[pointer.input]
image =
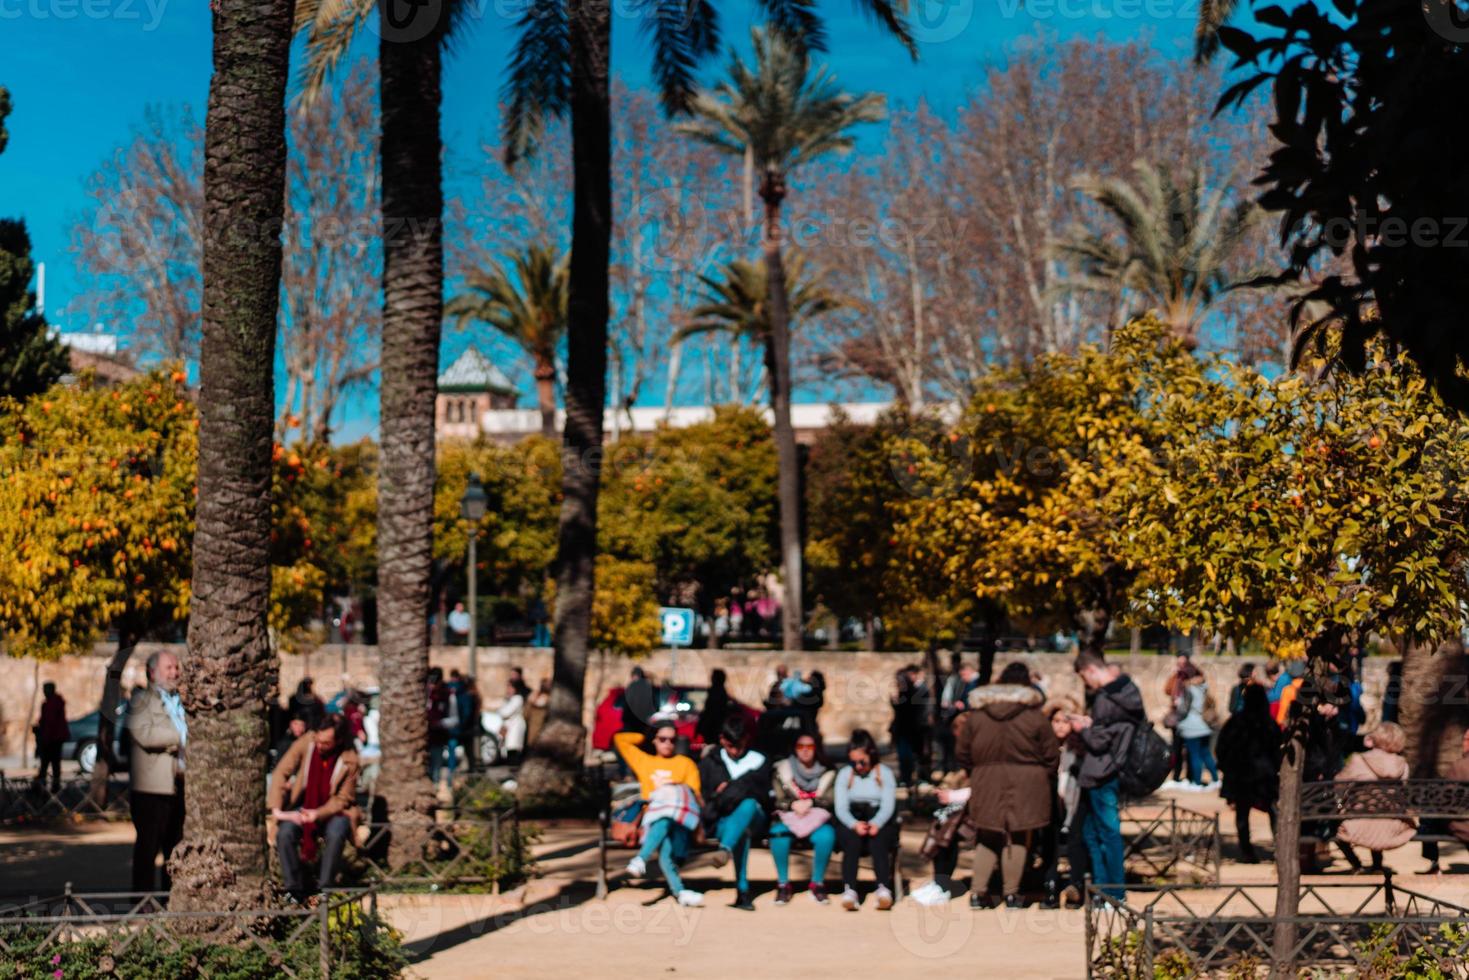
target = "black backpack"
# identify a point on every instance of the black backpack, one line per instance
(1147, 764)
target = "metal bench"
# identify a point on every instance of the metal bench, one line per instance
(1431, 800)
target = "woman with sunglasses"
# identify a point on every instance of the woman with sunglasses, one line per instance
(866, 805)
(670, 784)
(803, 805)
(738, 778)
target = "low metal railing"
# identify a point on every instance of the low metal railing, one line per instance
(1204, 931)
(461, 851)
(1172, 842)
(121, 932)
(29, 800)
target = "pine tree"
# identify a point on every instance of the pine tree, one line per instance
(30, 359)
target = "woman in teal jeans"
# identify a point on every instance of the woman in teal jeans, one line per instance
(803, 809)
(736, 781)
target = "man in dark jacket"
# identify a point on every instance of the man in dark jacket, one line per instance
(736, 784)
(1106, 734)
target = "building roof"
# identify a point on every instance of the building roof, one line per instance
(473, 372)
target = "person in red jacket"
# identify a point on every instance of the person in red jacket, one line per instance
(52, 732)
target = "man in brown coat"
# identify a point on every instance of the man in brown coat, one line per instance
(313, 802)
(1011, 754)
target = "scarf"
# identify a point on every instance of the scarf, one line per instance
(806, 779)
(748, 762)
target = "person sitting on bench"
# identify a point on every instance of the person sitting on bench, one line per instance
(736, 782)
(867, 803)
(1381, 762)
(319, 772)
(670, 784)
(803, 807)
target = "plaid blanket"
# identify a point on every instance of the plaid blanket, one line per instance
(675, 802)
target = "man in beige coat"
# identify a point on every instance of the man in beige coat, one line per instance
(313, 803)
(159, 733)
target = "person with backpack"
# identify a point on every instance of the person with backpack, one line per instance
(1197, 716)
(1117, 741)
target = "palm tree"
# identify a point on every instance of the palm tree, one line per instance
(410, 57)
(524, 298)
(559, 69)
(737, 301)
(784, 115)
(1177, 249)
(222, 862)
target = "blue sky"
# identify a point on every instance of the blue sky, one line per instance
(81, 73)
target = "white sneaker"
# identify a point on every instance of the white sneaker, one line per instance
(849, 900)
(637, 867)
(884, 898)
(691, 899)
(931, 894)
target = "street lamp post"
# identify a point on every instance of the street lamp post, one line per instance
(473, 506)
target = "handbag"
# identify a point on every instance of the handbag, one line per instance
(804, 824)
(626, 823)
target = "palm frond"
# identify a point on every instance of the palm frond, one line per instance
(893, 17)
(682, 33)
(538, 80)
(1213, 14)
(330, 26)
(797, 22)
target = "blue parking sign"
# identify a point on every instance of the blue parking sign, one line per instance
(678, 626)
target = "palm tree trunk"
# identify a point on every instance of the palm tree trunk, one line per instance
(545, 374)
(1433, 679)
(788, 464)
(413, 302)
(556, 757)
(232, 671)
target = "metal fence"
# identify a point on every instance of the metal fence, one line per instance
(459, 852)
(121, 933)
(1180, 932)
(30, 800)
(1172, 842)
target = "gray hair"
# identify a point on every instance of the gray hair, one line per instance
(152, 665)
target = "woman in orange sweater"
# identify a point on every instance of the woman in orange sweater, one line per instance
(670, 784)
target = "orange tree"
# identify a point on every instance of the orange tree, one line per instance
(1019, 504)
(1305, 509)
(323, 535)
(96, 518)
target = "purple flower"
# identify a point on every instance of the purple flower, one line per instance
(56, 959)
(56, 973)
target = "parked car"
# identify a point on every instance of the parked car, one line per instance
(83, 745)
(682, 704)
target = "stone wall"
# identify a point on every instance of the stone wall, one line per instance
(858, 684)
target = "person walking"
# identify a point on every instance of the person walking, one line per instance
(908, 726)
(1237, 693)
(954, 701)
(804, 801)
(866, 811)
(1106, 732)
(160, 735)
(313, 804)
(736, 781)
(670, 784)
(52, 732)
(1173, 688)
(1196, 728)
(443, 727)
(1249, 757)
(1011, 754)
(716, 707)
(305, 705)
(1064, 835)
(469, 704)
